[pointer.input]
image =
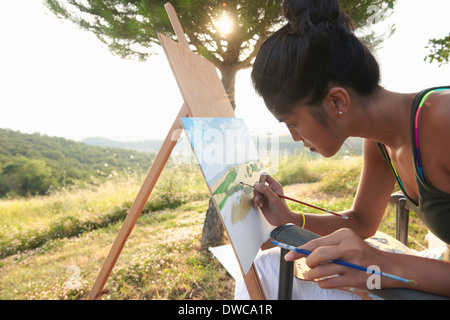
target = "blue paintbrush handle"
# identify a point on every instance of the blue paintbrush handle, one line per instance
(345, 263)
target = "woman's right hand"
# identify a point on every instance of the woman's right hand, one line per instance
(273, 207)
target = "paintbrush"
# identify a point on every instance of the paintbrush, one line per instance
(304, 203)
(346, 264)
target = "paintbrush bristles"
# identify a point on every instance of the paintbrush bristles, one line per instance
(246, 184)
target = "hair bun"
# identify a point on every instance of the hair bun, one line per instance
(317, 15)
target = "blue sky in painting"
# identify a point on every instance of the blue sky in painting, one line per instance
(219, 144)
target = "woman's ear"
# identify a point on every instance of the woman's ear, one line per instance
(337, 101)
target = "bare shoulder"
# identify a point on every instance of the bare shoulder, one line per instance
(436, 115)
(437, 106)
(434, 130)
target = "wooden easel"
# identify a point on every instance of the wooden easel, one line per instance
(204, 96)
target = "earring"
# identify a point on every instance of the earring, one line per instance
(340, 112)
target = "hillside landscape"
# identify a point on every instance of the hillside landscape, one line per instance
(32, 164)
(52, 245)
(286, 146)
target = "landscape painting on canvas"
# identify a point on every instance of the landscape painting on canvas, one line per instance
(227, 156)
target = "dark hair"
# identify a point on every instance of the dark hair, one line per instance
(317, 47)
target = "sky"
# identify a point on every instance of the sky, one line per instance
(60, 81)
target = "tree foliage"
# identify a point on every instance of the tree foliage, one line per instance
(26, 177)
(130, 27)
(439, 50)
(30, 164)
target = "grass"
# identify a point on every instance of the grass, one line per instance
(52, 247)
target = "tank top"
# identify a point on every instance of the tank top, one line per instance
(433, 205)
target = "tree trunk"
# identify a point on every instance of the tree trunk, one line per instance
(212, 234)
(229, 81)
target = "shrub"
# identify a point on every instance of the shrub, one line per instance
(342, 177)
(26, 177)
(296, 169)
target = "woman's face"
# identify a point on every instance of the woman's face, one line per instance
(322, 138)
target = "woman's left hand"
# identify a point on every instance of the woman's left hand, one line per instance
(345, 245)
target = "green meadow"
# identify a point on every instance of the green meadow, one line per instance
(53, 246)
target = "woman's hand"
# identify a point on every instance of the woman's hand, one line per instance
(343, 244)
(272, 206)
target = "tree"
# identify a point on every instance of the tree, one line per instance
(26, 177)
(440, 50)
(228, 33)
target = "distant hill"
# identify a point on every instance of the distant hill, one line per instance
(32, 163)
(149, 146)
(286, 145)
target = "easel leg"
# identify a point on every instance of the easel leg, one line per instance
(137, 206)
(253, 284)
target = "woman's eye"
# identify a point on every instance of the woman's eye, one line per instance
(293, 127)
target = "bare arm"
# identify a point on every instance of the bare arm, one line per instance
(371, 199)
(431, 275)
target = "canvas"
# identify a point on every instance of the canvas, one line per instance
(227, 156)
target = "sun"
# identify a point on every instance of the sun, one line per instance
(224, 24)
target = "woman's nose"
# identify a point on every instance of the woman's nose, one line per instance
(295, 134)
